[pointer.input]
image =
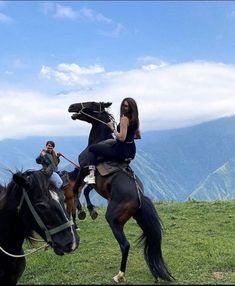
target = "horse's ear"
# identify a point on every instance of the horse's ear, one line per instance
(20, 180)
(106, 104)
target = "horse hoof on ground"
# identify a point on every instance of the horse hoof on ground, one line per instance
(81, 215)
(156, 280)
(120, 277)
(93, 214)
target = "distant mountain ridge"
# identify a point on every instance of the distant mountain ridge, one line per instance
(174, 165)
(221, 182)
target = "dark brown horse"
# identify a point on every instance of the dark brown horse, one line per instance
(27, 204)
(73, 205)
(69, 179)
(125, 197)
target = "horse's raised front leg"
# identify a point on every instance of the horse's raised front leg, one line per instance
(113, 218)
(81, 212)
(90, 206)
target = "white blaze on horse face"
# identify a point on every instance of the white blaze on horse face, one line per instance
(55, 197)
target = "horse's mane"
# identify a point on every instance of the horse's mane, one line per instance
(73, 174)
(37, 179)
(109, 116)
(3, 192)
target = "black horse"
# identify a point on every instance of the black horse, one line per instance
(99, 132)
(125, 197)
(28, 204)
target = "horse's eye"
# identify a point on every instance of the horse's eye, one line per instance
(41, 205)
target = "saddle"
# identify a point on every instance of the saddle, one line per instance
(106, 168)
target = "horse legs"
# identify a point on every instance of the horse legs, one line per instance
(90, 206)
(81, 212)
(117, 229)
(77, 189)
(70, 203)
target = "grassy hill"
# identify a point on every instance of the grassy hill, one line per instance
(198, 246)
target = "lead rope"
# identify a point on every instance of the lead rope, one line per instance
(70, 161)
(23, 255)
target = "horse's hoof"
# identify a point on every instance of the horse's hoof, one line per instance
(120, 277)
(81, 215)
(93, 214)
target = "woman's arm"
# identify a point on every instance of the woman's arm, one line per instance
(124, 122)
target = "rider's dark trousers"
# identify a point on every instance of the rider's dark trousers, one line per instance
(116, 152)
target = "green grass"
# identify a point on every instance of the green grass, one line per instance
(198, 246)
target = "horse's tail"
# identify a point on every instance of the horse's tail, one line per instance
(149, 221)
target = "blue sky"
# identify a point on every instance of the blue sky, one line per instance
(176, 58)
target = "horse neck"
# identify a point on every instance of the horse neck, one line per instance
(98, 133)
(12, 232)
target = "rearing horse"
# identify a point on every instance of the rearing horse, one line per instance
(99, 132)
(125, 199)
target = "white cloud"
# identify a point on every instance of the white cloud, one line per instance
(118, 29)
(64, 12)
(85, 15)
(168, 97)
(72, 74)
(5, 19)
(94, 16)
(153, 66)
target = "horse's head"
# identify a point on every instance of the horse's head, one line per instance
(42, 209)
(94, 113)
(87, 111)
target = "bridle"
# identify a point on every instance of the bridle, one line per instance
(100, 111)
(48, 232)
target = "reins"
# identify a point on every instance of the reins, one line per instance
(93, 117)
(82, 112)
(101, 121)
(23, 255)
(48, 232)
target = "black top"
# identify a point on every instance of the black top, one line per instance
(130, 133)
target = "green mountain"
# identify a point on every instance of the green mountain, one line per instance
(219, 185)
(174, 165)
(189, 155)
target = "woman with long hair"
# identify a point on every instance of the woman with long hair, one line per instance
(124, 146)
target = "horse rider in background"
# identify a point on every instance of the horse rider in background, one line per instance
(49, 160)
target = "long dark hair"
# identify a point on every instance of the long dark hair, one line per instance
(133, 114)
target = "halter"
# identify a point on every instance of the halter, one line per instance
(48, 232)
(82, 112)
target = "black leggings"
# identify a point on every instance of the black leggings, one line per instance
(116, 152)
